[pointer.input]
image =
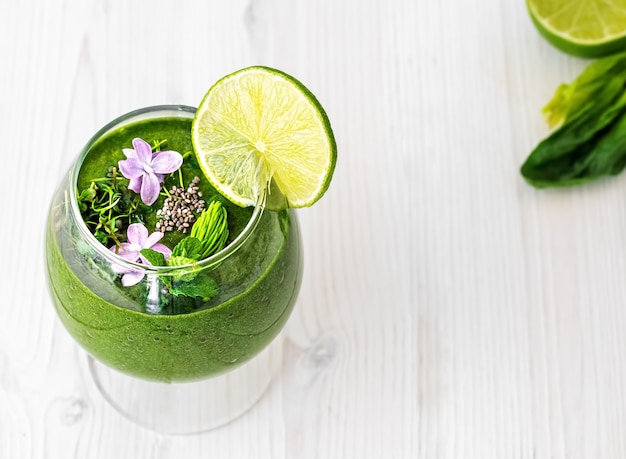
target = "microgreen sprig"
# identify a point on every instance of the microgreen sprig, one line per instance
(108, 207)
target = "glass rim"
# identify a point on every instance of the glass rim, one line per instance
(101, 249)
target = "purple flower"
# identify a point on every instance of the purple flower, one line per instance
(138, 239)
(146, 170)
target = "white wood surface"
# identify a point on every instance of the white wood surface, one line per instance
(448, 310)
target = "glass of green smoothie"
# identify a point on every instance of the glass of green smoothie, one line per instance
(145, 330)
(175, 261)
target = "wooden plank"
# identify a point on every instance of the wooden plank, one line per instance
(447, 310)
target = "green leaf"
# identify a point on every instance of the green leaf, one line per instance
(155, 258)
(571, 98)
(185, 274)
(591, 141)
(88, 194)
(189, 247)
(180, 261)
(201, 285)
(101, 236)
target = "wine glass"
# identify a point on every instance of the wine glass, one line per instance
(171, 365)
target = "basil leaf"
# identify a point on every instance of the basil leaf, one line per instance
(591, 141)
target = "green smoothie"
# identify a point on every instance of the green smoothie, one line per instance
(176, 338)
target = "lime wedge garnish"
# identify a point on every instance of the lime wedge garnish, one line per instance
(587, 28)
(259, 125)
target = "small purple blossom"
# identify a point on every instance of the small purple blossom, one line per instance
(146, 170)
(138, 239)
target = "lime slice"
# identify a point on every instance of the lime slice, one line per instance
(257, 126)
(586, 28)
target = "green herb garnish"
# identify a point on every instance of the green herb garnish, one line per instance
(108, 207)
(208, 235)
(590, 141)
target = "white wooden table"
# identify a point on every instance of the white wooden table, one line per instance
(448, 309)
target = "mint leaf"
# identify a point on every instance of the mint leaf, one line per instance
(182, 274)
(180, 261)
(155, 258)
(190, 248)
(200, 285)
